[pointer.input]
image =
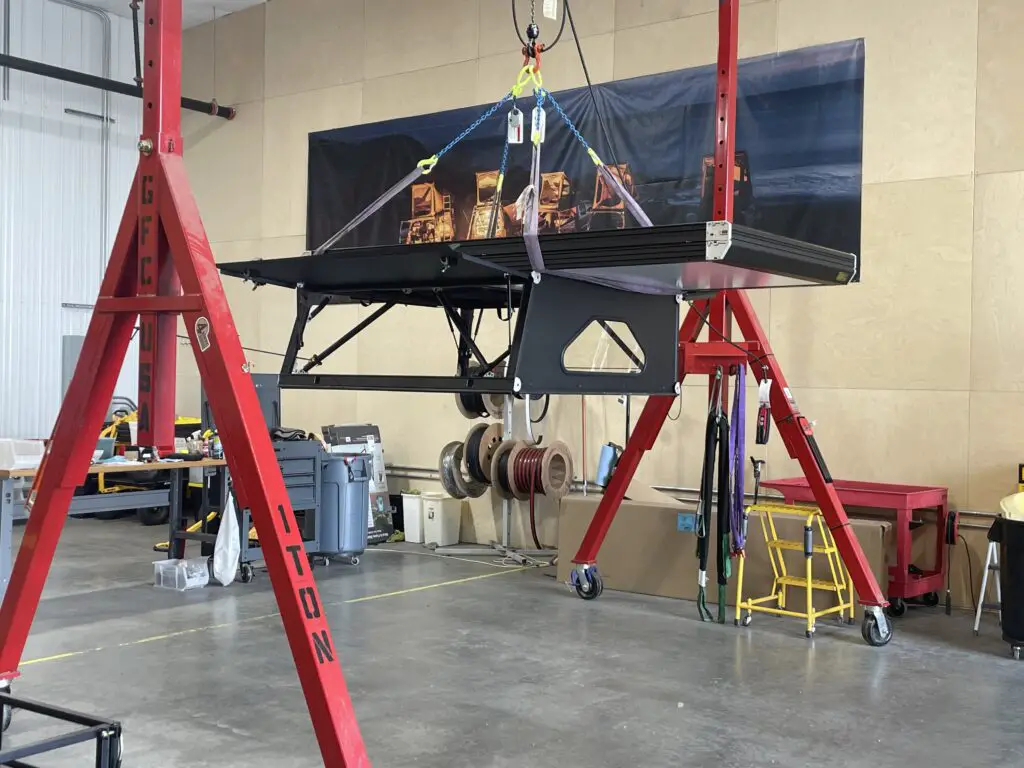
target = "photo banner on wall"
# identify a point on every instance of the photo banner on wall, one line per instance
(799, 135)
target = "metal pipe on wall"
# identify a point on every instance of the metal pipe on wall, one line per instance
(5, 48)
(105, 125)
(114, 86)
(680, 493)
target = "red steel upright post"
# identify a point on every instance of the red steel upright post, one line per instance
(160, 249)
(794, 429)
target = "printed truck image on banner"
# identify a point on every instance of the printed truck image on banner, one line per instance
(797, 171)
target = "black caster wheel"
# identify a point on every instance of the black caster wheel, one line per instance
(809, 635)
(745, 621)
(8, 713)
(873, 634)
(150, 516)
(247, 573)
(354, 561)
(589, 586)
(1015, 650)
(897, 607)
(931, 599)
(209, 565)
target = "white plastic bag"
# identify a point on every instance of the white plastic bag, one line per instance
(228, 547)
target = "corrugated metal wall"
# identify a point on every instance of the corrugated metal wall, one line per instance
(63, 184)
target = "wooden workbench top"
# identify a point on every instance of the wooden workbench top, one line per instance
(96, 469)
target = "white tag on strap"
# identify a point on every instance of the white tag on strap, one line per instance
(538, 127)
(515, 126)
(551, 9)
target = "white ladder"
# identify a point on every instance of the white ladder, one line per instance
(991, 566)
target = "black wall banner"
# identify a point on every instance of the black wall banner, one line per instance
(799, 135)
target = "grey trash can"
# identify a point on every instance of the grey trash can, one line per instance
(344, 505)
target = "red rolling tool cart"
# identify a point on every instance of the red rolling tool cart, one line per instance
(906, 581)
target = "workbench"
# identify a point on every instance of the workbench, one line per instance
(15, 486)
(906, 581)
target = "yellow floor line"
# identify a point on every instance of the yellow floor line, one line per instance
(196, 630)
(451, 583)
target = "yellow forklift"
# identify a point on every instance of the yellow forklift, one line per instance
(433, 220)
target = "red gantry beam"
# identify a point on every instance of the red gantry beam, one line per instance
(161, 247)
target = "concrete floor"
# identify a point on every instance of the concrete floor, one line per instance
(503, 670)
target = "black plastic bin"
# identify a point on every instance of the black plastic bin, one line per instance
(1010, 535)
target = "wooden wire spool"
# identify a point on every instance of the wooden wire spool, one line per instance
(523, 494)
(495, 404)
(535, 471)
(499, 468)
(556, 470)
(480, 445)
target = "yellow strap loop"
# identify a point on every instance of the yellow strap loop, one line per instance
(594, 157)
(427, 165)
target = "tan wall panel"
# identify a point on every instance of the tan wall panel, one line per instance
(225, 170)
(288, 121)
(239, 53)
(690, 42)
(560, 70)
(1000, 61)
(920, 78)
(197, 62)
(996, 448)
(907, 324)
(313, 44)
(237, 250)
(414, 428)
(638, 13)
(403, 36)
(892, 436)
(997, 359)
(497, 35)
(421, 92)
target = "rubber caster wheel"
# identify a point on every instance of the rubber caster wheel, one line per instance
(897, 607)
(8, 713)
(745, 621)
(247, 573)
(153, 515)
(590, 585)
(809, 635)
(873, 634)
(1015, 651)
(931, 599)
(354, 561)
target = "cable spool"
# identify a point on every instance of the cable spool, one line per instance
(480, 445)
(475, 405)
(532, 470)
(452, 480)
(499, 468)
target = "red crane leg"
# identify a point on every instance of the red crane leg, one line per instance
(161, 247)
(69, 452)
(642, 439)
(256, 475)
(798, 437)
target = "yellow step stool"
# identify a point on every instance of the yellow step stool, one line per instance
(775, 603)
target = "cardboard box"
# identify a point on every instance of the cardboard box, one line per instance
(646, 553)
